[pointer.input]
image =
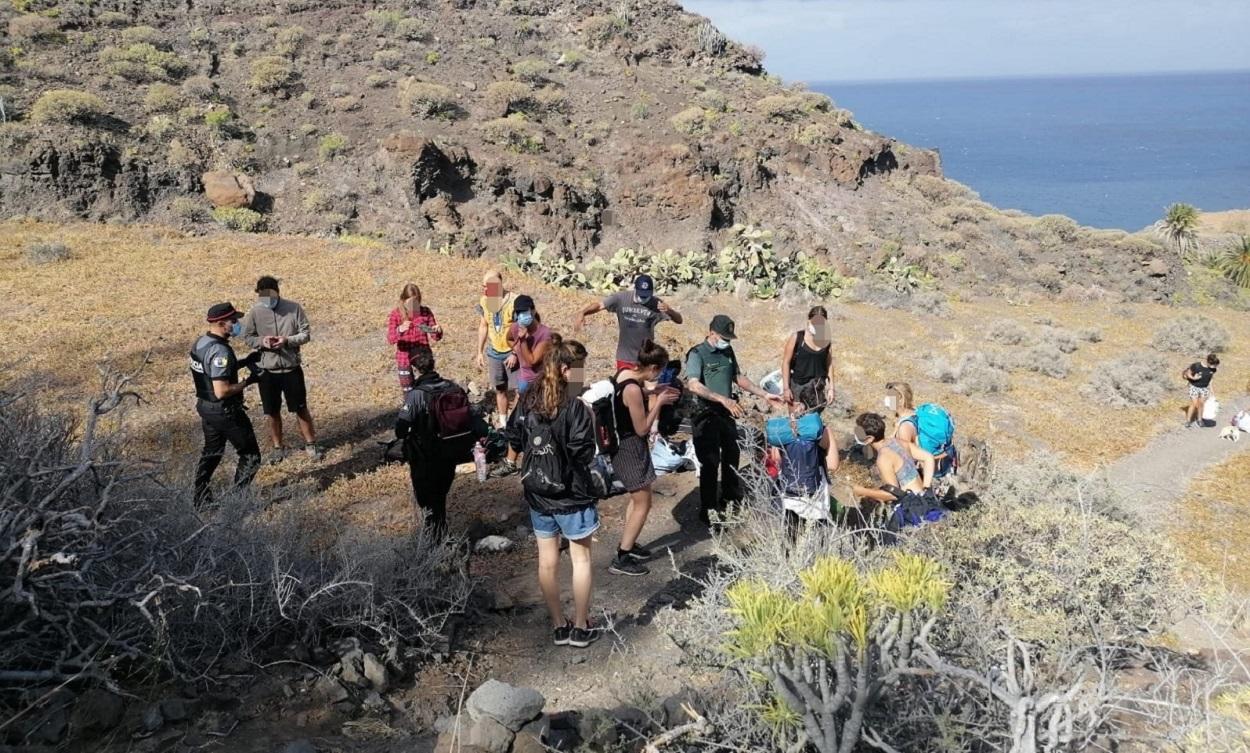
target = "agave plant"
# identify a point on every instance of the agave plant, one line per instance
(1179, 228)
(1235, 262)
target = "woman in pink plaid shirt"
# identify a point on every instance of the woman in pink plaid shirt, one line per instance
(410, 325)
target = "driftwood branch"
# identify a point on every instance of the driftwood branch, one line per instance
(698, 725)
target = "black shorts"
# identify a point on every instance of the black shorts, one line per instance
(274, 386)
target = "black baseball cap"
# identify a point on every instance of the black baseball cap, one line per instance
(523, 303)
(644, 285)
(267, 282)
(723, 326)
(220, 312)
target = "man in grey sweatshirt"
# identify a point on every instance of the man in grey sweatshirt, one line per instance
(278, 327)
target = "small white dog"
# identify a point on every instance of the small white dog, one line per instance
(1231, 433)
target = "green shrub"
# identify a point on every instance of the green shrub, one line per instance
(218, 118)
(64, 106)
(693, 121)
(515, 133)
(35, 29)
(819, 134)
(199, 87)
(713, 99)
(819, 279)
(640, 110)
(510, 96)
(143, 63)
(113, 18)
(160, 127)
(787, 107)
(1191, 334)
(432, 58)
(412, 29)
(1056, 229)
(189, 209)
(145, 35)
(426, 100)
(532, 70)
(1234, 262)
(601, 30)
(388, 59)
(1135, 380)
(272, 74)
(378, 81)
(570, 59)
(331, 145)
(162, 97)
(385, 22)
(47, 252)
(290, 41)
(246, 220)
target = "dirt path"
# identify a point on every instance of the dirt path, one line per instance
(634, 654)
(1159, 474)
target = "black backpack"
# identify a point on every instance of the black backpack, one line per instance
(545, 469)
(603, 413)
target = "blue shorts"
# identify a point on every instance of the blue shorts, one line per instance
(574, 525)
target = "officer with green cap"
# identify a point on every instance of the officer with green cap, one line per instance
(712, 374)
(219, 400)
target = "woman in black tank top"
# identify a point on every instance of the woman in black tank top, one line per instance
(635, 415)
(808, 357)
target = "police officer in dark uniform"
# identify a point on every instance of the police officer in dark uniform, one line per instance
(219, 401)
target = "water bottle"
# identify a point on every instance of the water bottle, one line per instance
(479, 460)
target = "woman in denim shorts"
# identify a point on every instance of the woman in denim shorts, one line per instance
(556, 436)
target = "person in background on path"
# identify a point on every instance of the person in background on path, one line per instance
(530, 340)
(278, 328)
(711, 374)
(219, 401)
(430, 471)
(410, 325)
(494, 353)
(808, 357)
(637, 313)
(554, 430)
(1199, 376)
(904, 466)
(632, 461)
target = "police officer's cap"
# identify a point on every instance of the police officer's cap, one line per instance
(220, 312)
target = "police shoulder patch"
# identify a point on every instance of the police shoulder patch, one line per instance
(220, 362)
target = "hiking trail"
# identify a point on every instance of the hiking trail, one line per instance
(1160, 473)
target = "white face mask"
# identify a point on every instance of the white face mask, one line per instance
(891, 402)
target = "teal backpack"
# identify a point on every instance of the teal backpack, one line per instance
(935, 433)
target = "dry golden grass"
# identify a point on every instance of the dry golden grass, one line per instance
(128, 290)
(1233, 221)
(1213, 524)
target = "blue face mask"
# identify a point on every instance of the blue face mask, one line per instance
(525, 319)
(269, 303)
(722, 343)
(236, 329)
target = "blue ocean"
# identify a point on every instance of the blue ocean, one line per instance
(1109, 152)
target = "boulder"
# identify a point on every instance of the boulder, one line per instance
(1157, 267)
(97, 711)
(490, 735)
(671, 711)
(449, 743)
(375, 673)
(493, 544)
(330, 689)
(529, 739)
(174, 710)
(512, 707)
(228, 190)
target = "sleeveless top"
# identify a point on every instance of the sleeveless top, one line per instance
(624, 421)
(807, 364)
(908, 472)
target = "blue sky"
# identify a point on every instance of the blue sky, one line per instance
(862, 40)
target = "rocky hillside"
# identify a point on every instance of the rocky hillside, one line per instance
(487, 127)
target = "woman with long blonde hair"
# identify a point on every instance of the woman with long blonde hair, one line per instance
(554, 431)
(411, 325)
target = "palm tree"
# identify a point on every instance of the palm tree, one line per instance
(1179, 227)
(1235, 262)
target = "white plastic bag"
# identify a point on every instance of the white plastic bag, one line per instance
(772, 383)
(665, 459)
(1211, 409)
(1242, 421)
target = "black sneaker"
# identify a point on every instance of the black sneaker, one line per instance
(626, 565)
(639, 552)
(560, 635)
(583, 637)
